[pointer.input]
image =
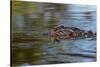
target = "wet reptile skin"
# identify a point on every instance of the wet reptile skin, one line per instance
(59, 33)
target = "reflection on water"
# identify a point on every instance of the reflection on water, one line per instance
(31, 44)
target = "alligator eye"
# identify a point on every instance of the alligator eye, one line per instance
(62, 26)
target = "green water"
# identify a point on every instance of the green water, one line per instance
(31, 45)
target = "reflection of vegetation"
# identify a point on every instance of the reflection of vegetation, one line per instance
(21, 7)
(33, 25)
(29, 55)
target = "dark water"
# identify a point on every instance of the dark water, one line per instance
(32, 46)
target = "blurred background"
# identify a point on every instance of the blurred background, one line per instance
(31, 22)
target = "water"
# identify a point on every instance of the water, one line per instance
(31, 46)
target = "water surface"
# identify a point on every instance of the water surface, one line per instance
(32, 46)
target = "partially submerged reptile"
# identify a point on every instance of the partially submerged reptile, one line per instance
(59, 33)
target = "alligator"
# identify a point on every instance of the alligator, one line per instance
(61, 32)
